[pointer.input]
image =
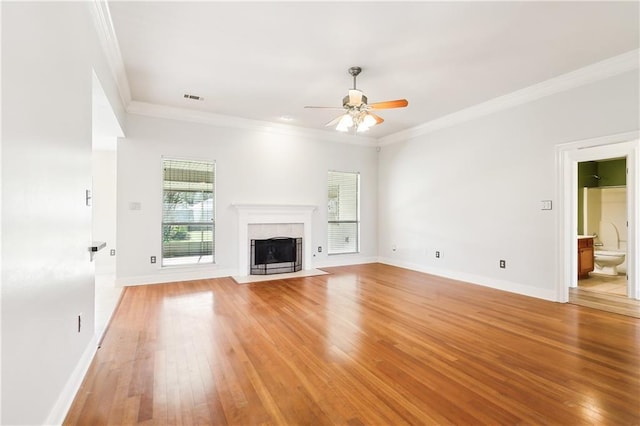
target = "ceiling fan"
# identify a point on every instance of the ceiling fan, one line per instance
(358, 113)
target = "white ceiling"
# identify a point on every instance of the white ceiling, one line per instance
(264, 60)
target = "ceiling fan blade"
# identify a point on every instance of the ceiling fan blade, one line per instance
(377, 118)
(324, 107)
(334, 121)
(398, 103)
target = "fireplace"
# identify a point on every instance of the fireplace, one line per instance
(276, 256)
(264, 221)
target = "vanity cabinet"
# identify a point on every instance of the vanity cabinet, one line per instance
(585, 257)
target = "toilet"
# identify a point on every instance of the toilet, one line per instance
(608, 257)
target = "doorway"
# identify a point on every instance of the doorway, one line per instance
(569, 156)
(602, 226)
(105, 132)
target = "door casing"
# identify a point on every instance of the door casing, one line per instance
(567, 158)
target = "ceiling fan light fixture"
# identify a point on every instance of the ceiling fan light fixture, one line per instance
(356, 109)
(365, 122)
(369, 120)
(345, 123)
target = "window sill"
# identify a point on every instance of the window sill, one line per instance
(198, 265)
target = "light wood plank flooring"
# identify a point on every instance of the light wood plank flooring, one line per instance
(605, 293)
(367, 344)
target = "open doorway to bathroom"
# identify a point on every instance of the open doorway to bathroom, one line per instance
(602, 226)
(581, 182)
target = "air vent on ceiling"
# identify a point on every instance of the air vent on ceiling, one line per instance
(193, 97)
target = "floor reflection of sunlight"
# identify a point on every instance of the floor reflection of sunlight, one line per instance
(343, 317)
(203, 299)
(189, 313)
(592, 408)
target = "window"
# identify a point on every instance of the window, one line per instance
(188, 212)
(343, 213)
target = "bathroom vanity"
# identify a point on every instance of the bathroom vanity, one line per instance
(585, 256)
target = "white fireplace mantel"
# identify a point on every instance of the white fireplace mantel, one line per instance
(249, 214)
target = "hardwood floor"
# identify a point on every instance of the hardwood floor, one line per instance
(367, 344)
(605, 293)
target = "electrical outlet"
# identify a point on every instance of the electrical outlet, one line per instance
(503, 264)
(112, 252)
(79, 323)
(153, 259)
(319, 249)
(437, 255)
(394, 248)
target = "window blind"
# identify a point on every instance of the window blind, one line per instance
(343, 212)
(188, 212)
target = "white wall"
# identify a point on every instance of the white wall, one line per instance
(614, 210)
(609, 204)
(473, 191)
(592, 209)
(252, 167)
(104, 208)
(48, 51)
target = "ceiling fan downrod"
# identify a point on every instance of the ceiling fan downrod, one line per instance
(354, 71)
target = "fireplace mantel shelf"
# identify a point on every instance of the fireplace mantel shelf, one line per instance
(274, 207)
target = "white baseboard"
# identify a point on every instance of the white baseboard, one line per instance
(510, 286)
(343, 261)
(68, 394)
(174, 275)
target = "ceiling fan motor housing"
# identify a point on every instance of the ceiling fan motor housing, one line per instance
(346, 102)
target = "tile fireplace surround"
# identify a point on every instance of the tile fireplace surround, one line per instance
(278, 214)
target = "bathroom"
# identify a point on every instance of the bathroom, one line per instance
(602, 214)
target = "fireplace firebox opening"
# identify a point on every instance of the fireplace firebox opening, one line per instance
(276, 255)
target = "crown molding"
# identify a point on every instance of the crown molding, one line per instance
(580, 77)
(219, 120)
(109, 42)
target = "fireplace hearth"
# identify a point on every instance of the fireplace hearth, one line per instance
(276, 255)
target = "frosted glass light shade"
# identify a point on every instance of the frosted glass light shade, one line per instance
(369, 120)
(345, 123)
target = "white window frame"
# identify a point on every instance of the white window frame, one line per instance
(333, 203)
(182, 261)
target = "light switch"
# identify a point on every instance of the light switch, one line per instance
(135, 205)
(546, 205)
